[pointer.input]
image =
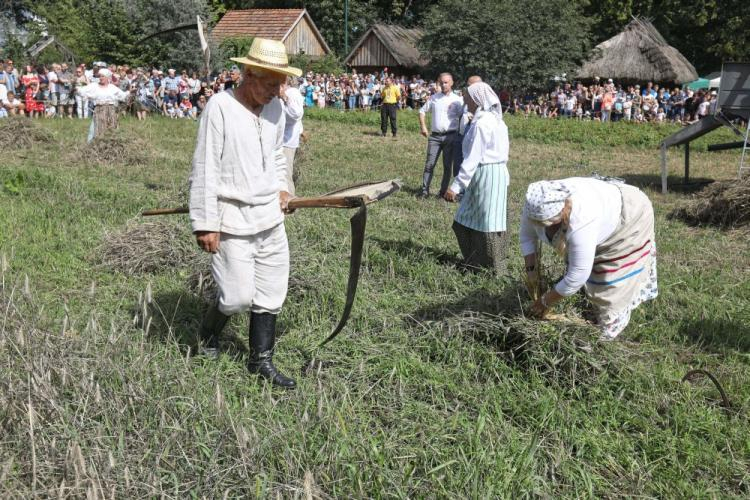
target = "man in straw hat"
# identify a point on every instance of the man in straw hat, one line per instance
(238, 197)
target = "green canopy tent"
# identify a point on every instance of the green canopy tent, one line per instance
(704, 83)
(700, 83)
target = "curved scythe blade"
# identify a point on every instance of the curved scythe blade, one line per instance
(358, 223)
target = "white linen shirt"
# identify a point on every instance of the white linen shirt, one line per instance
(446, 111)
(486, 141)
(294, 109)
(237, 172)
(100, 95)
(595, 215)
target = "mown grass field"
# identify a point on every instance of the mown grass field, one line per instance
(438, 388)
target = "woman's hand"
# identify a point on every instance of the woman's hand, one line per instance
(544, 303)
(538, 309)
(450, 195)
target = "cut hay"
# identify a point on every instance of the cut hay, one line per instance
(150, 247)
(564, 353)
(114, 148)
(723, 204)
(19, 132)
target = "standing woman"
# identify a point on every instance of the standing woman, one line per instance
(482, 182)
(605, 231)
(32, 96)
(105, 97)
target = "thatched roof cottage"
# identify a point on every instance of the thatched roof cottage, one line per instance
(638, 54)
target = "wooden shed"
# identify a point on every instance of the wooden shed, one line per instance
(387, 45)
(294, 27)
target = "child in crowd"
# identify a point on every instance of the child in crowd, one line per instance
(186, 108)
(171, 110)
(13, 104)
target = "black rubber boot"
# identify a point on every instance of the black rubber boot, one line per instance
(210, 332)
(262, 339)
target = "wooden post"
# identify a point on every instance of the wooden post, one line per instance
(663, 168)
(687, 162)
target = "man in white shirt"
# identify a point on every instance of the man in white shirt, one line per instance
(238, 197)
(446, 109)
(294, 109)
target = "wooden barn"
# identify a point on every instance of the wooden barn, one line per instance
(294, 27)
(387, 45)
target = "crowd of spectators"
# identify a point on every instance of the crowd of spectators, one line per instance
(355, 91)
(49, 91)
(614, 102)
(52, 90)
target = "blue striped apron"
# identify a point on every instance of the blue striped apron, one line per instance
(484, 204)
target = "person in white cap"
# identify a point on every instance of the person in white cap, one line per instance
(482, 182)
(605, 231)
(105, 98)
(238, 197)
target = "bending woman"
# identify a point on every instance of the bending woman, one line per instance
(482, 182)
(605, 231)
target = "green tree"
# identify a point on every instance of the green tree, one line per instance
(513, 44)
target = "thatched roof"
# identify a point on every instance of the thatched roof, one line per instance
(399, 41)
(639, 53)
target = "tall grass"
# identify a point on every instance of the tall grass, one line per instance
(439, 386)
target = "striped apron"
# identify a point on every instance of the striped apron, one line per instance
(624, 272)
(484, 204)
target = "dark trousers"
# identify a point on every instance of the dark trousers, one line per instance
(388, 111)
(446, 145)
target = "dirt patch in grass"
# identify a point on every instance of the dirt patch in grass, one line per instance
(724, 204)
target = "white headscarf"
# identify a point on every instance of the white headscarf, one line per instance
(545, 199)
(105, 73)
(486, 99)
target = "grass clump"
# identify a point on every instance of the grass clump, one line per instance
(724, 204)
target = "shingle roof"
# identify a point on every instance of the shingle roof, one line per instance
(401, 42)
(263, 23)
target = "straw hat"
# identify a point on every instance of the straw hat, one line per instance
(269, 55)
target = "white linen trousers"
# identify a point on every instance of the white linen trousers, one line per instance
(252, 272)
